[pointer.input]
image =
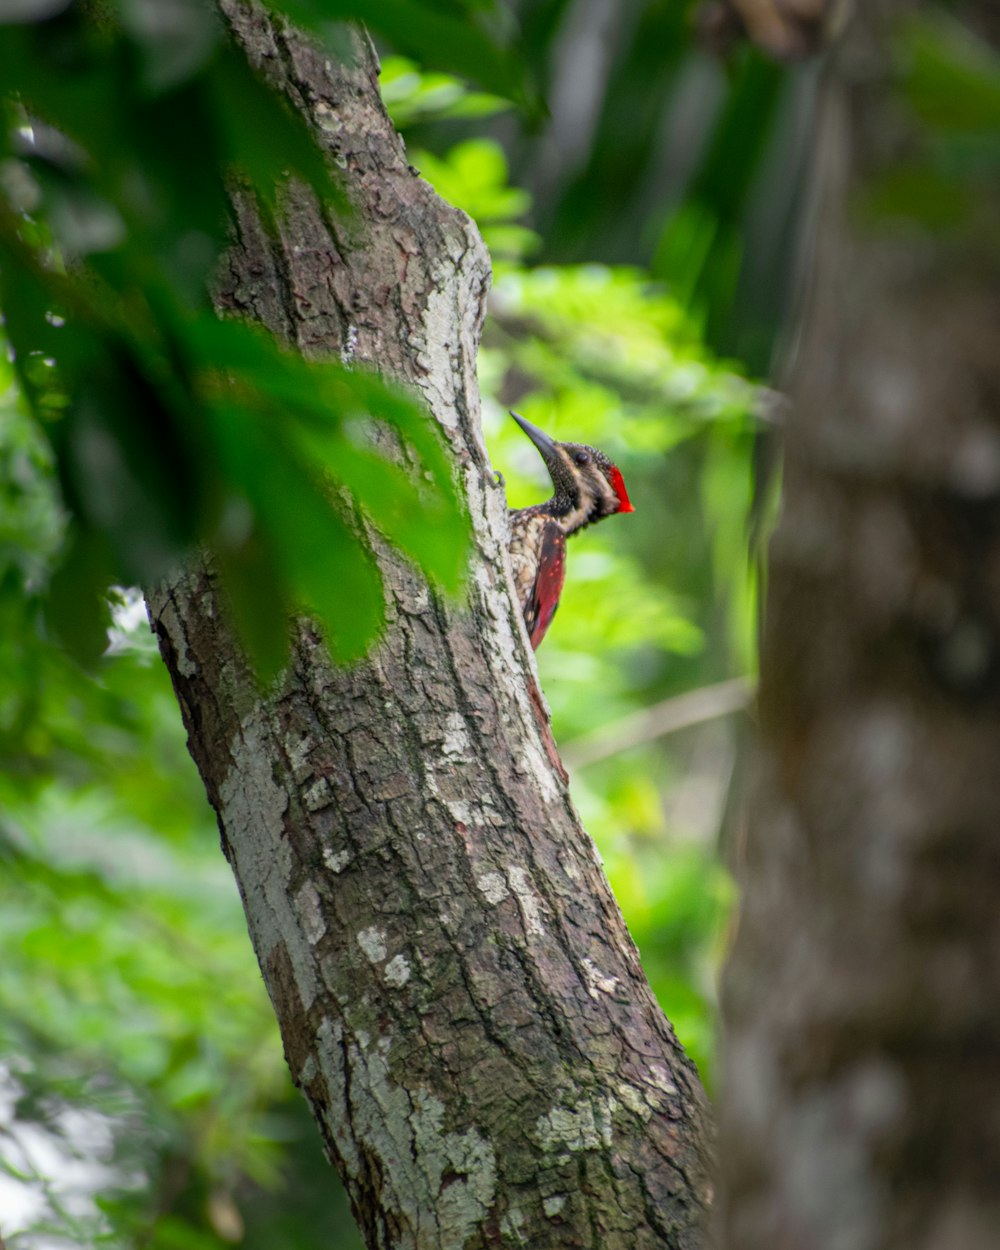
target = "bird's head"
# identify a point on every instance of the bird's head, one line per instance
(587, 485)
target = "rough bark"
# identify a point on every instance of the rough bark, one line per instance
(458, 996)
(861, 1006)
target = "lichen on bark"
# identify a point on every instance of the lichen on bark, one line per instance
(458, 996)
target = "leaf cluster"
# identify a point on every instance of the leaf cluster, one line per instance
(115, 891)
(123, 127)
(946, 176)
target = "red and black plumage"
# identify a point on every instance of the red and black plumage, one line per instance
(587, 488)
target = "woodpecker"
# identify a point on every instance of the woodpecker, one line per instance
(588, 488)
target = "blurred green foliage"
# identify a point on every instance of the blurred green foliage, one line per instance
(948, 180)
(147, 1095)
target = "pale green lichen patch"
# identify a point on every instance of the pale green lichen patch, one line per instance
(331, 1059)
(372, 942)
(318, 795)
(587, 1125)
(397, 971)
(533, 763)
(659, 1077)
(598, 982)
(492, 886)
(336, 861)
(456, 737)
(513, 1226)
(528, 900)
(253, 806)
(636, 1101)
(442, 1183)
(298, 758)
(309, 909)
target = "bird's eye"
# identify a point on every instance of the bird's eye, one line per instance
(582, 457)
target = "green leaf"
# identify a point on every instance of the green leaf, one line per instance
(330, 572)
(256, 587)
(425, 527)
(365, 394)
(444, 36)
(26, 304)
(918, 194)
(474, 176)
(261, 134)
(175, 37)
(950, 77)
(418, 509)
(77, 608)
(702, 251)
(31, 10)
(411, 96)
(66, 74)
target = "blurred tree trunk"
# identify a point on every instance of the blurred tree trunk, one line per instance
(458, 995)
(862, 1000)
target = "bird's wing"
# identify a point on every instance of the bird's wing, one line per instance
(544, 598)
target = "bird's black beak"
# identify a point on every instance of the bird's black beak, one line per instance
(545, 445)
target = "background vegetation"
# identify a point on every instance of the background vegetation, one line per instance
(639, 224)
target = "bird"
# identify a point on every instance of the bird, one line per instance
(588, 487)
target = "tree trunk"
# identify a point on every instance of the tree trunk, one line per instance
(861, 1006)
(458, 996)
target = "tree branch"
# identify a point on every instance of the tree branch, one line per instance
(682, 711)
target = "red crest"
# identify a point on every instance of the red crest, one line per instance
(618, 485)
